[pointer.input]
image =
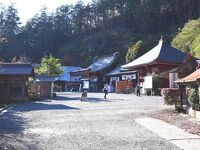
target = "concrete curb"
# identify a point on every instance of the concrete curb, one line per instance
(171, 133)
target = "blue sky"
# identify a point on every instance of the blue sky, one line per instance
(28, 8)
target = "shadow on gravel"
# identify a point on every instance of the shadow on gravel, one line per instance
(41, 106)
(10, 123)
(64, 98)
(90, 99)
(97, 100)
(11, 128)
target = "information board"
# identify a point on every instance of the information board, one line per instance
(86, 84)
(148, 82)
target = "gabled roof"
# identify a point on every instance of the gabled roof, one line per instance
(66, 70)
(190, 78)
(16, 69)
(161, 53)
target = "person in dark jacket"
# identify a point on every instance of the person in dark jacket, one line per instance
(138, 89)
(105, 89)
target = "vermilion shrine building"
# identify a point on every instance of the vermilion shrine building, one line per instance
(153, 68)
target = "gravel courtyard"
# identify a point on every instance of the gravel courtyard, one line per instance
(67, 123)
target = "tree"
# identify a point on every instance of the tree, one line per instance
(101, 27)
(9, 29)
(188, 38)
(196, 46)
(132, 52)
(49, 66)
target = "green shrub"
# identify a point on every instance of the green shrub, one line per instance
(171, 96)
(193, 99)
(34, 97)
(2, 106)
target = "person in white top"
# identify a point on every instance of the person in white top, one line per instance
(105, 89)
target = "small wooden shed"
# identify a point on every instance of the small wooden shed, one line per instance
(14, 81)
(192, 80)
(43, 86)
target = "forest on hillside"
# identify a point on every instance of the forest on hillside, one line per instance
(77, 33)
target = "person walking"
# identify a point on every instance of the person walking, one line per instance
(138, 89)
(105, 89)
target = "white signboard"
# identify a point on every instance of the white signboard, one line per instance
(114, 78)
(148, 82)
(75, 78)
(127, 77)
(86, 84)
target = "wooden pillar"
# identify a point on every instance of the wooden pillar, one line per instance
(182, 89)
(138, 77)
(51, 89)
(8, 88)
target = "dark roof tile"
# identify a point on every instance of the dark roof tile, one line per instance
(161, 53)
(16, 69)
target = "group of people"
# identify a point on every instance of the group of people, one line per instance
(106, 86)
(83, 96)
(105, 90)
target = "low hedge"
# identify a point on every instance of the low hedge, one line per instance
(34, 97)
(193, 99)
(171, 96)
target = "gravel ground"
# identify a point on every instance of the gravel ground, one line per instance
(67, 123)
(183, 121)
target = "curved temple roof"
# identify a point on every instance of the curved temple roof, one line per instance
(162, 53)
(102, 63)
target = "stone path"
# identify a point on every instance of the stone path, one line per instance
(171, 133)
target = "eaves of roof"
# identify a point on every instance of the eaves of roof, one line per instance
(113, 59)
(162, 53)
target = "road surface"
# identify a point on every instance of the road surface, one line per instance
(65, 123)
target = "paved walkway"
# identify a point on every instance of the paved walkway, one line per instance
(171, 133)
(67, 123)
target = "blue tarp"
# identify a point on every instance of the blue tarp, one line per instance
(67, 69)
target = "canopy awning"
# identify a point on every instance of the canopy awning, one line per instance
(193, 77)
